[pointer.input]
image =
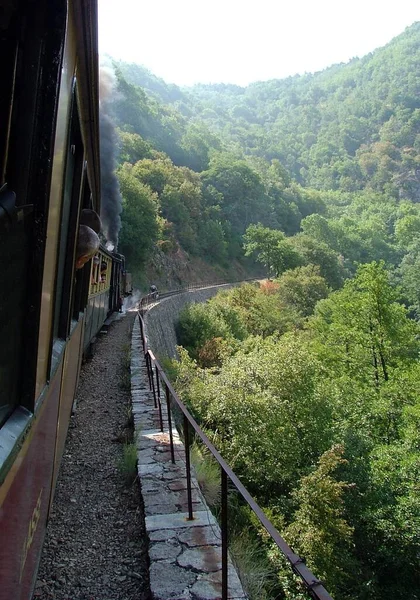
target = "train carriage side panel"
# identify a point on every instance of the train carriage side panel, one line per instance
(88, 325)
(24, 501)
(33, 47)
(54, 216)
(70, 373)
(114, 300)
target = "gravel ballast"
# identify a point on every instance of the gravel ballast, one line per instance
(96, 546)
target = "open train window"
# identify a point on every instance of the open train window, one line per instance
(82, 277)
(72, 197)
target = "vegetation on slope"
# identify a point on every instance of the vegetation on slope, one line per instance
(308, 385)
(315, 405)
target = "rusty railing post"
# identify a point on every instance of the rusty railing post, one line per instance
(152, 379)
(224, 525)
(158, 398)
(188, 467)
(171, 437)
(159, 403)
(157, 381)
(148, 361)
(142, 333)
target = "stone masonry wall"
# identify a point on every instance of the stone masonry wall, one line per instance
(161, 318)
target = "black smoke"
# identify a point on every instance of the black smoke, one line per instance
(111, 206)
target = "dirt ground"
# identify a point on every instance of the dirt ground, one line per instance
(96, 545)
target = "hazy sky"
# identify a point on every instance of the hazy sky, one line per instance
(234, 41)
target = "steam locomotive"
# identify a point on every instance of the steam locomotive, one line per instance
(49, 310)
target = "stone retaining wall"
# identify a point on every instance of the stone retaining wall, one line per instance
(185, 555)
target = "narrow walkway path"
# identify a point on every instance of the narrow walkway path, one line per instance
(185, 555)
(96, 545)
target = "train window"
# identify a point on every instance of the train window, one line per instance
(100, 278)
(14, 241)
(72, 196)
(82, 282)
(105, 272)
(94, 282)
(14, 234)
(81, 290)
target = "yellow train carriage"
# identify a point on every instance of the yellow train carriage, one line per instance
(98, 304)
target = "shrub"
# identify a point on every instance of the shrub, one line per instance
(127, 463)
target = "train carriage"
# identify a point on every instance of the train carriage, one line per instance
(106, 293)
(49, 173)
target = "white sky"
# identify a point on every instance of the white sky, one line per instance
(234, 41)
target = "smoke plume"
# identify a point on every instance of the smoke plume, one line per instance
(111, 198)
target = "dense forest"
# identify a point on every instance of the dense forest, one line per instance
(312, 396)
(340, 147)
(309, 382)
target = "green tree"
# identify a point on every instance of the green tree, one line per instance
(180, 199)
(212, 240)
(318, 253)
(364, 331)
(241, 195)
(320, 531)
(271, 248)
(199, 324)
(302, 288)
(409, 273)
(140, 229)
(407, 230)
(317, 227)
(133, 147)
(262, 310)
(392, 511)
(261, 409)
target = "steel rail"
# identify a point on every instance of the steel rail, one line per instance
(148, 299)
(312, 584)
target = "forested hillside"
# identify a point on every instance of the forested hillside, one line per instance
(349, 127)
(182, 185)
(309, 383)
(333, 154)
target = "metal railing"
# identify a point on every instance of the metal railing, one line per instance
(158, 379)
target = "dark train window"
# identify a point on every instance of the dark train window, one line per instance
(14, 244)
(14, 233)
(70, 213)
